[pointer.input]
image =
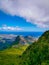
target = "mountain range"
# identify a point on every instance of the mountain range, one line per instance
(8, 41)
(36, 54)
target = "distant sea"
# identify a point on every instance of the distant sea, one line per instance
(34, 34)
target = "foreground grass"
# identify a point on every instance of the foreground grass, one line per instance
(11, 56)
(10, 59)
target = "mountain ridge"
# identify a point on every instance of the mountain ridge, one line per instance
(36, 54)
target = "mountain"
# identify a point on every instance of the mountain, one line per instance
(30, 39)
(20, 40)
(44, 37)
(24, 40)
(6, 43)
(14, 41)
(38, 52)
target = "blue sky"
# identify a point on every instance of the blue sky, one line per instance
(15, 21)
(22, 15)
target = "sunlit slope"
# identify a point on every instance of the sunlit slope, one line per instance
(11, 56)
(15, 49)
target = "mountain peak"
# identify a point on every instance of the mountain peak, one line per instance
(44, 37)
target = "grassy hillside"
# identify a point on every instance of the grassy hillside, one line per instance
(11, 56)
(15, 49)
(38, 52)
(35, 54)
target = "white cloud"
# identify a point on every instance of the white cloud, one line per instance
(10, 28)
(34, 11)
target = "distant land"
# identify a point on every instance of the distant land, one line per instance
(7, 40)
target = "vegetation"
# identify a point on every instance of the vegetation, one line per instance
(15, 49)
(38, 52)
(35, 54)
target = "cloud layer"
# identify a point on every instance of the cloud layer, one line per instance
(10, 28)
(34, 11)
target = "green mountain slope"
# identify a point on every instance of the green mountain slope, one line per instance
(38, 52)
(15, 49)
(35, 54)
(11, 56)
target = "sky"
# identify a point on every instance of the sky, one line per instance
(24, 15)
